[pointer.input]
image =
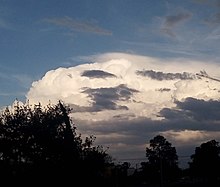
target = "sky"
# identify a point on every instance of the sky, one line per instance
(130, 69)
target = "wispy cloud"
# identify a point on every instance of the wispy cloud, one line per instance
(213, 18)
(22, 79)
(107, 98)
(214, 34)
(165, 76)
(171, 21)
(15, 94)
(193, 110)
(78, 25)
(97, 74)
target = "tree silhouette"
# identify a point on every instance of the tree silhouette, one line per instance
(205, 162)
(162, 159)
(41, 143)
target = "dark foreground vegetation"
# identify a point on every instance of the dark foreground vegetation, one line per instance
(40, 146)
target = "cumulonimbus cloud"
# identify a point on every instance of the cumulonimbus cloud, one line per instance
(125, 99)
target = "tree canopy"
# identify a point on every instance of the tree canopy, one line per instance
(205, 162)
(41, 143)
(162, 158)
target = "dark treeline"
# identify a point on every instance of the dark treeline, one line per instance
(39, 145)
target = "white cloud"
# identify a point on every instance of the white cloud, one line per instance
(186, 136)
(122, 107)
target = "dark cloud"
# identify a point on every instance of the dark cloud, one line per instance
(106, 98)
(163, 89)
(124, 116)
(97, 74)
(174, 114)
(140, 130)
(158, 75)
(98, 105)
(78, 25)
(173, 20)
(201, 109)
(204, 74)
(130, 137)
(194, 114)
(136, 128)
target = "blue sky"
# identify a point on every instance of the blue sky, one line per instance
(39, 35)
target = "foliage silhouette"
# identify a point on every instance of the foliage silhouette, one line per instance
(205, 162)
(41, 143)
(162, 160)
